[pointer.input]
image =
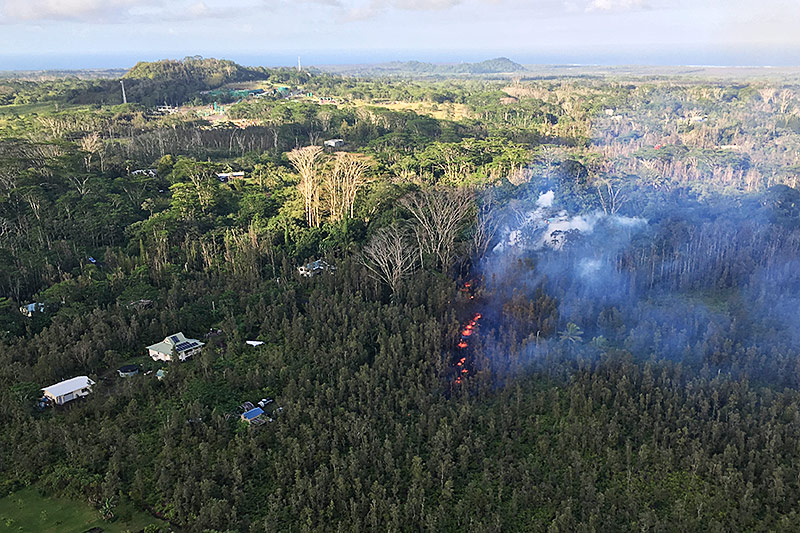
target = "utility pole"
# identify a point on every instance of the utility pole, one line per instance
(124, 98)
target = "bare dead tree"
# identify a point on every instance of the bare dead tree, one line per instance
(343, 183)
(549, 157)
(81, 184)
(389, 255)
(90, 145)
(204, 187)
(439, 215)
(611, 195)
(520, 175)
(785, 100)
(486, 225)
(8, 179)
(307, 161)
(35, 203)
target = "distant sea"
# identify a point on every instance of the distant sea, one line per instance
(643, 56)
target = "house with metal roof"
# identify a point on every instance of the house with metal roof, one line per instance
(176, 344)
(68, 390)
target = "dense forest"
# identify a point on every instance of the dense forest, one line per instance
(552, 304)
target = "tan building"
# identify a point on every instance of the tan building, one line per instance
(176, 344)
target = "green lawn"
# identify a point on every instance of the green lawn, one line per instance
(29, 511)
(27, 109)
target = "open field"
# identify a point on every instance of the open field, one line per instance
(29, 511)
(446, 111)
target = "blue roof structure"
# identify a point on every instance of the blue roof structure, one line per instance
(253, 413)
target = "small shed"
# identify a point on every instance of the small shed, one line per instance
(334, 143)
(253, 415)
(225, 177)
(68, 390)
(128, 371)
(317, 267)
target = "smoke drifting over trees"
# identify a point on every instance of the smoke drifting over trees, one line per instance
(705, 283)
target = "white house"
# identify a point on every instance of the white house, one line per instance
(176, 344)
(61, 393)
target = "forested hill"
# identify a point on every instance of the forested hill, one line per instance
(176, 81)
(168, 81)
(208, 72)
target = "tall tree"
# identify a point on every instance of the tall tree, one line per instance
(389, 255)
(343, 183)
(307, 161)
(90, 145)
(439, 216)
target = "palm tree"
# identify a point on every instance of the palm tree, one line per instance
(572, 334)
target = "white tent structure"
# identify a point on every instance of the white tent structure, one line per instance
(68, 390)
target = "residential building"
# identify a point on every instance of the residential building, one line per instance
(68, 390)
(176, 344)
(317, 267)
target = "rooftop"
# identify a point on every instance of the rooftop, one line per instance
(178, 341)
(69, 385)
(253, 413)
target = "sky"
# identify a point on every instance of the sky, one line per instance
(37, 34)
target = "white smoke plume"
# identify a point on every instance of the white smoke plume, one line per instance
(546, 227)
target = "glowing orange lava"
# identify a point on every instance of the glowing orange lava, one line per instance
(467, 331)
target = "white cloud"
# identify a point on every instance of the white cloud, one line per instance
(361, 10)
(615, 5)
(423, 5)
(106, 11)
(32, 10)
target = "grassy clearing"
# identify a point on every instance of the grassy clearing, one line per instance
(27, 109)
(29, 511)
(447, 111)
